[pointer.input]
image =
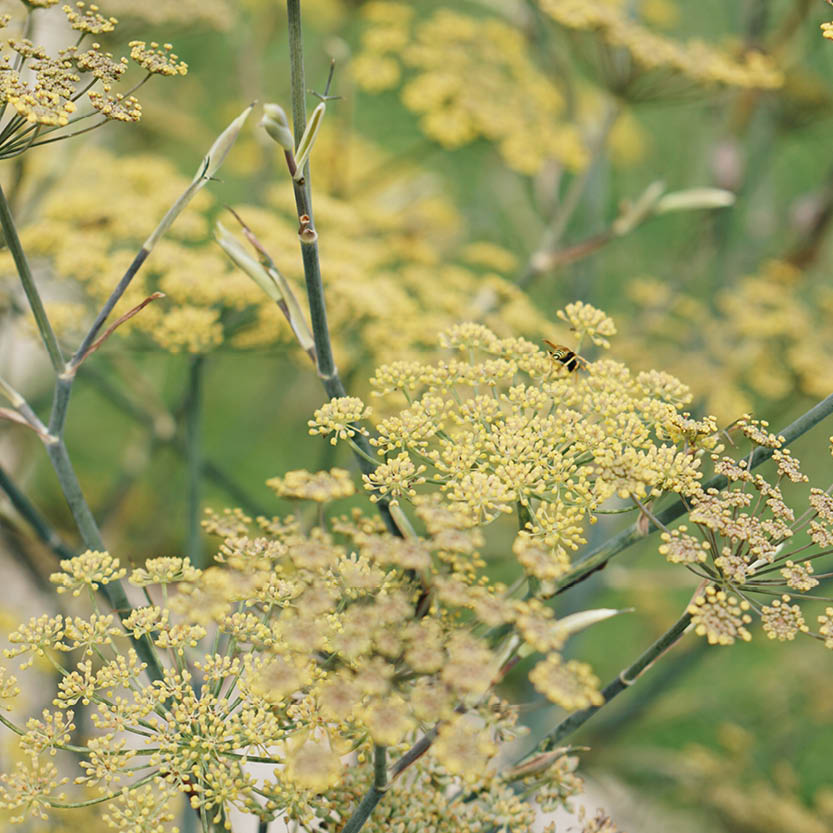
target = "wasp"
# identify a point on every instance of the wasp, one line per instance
(569, 358)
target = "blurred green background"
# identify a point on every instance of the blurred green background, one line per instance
(737, 302)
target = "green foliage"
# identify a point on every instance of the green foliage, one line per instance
(481, 166)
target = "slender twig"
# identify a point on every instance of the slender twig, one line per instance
(104, 312)
(414, 753)
(598, 558)
(555, 231)
(206, 171)
(270, 279)
(24, 411)
(20, 147)
(69, 805)
(155, 296)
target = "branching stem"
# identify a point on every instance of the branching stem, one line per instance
(598, 558)
(624, 679)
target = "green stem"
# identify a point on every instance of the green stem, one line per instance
(380, 768)
(72, 805)
(626, 678)
(33, 517)
(84, 520)
(598, 558)
(29, 287)
(91, 536)
(296, 69)
(193, 456)
(60, 403)
(325, 363)
(373, 796)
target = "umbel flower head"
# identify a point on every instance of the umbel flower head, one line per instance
(761, 338)
(749, 544)
(468, 78)
(637, 53)
(325, 649)
(500, 424)
(44, 95)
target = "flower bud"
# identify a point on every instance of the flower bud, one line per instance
(276, 124)
(208, 168)
(308, 139)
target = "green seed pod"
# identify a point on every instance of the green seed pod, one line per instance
(276, 124)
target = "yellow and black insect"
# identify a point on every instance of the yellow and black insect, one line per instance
(569, 358)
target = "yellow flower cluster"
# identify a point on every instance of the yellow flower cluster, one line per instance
(321, 487)
(571, 684)
(694, 60)
(742, 547)
(500, 424)
(757, 340)
(156, 59)
(43, 91)
(719, 617)
(387, 253)
(468, 78)
(89, 570)
(587, 322)
(328, 647)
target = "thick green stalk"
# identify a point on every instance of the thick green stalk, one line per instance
(296, 69)
(325, 362)
(47, 334)
(307, 234)
(598, 558)
(318, 318)
(60, 402)
(373, 796)
(84, 520)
